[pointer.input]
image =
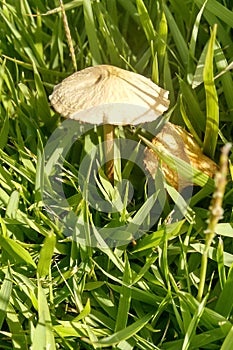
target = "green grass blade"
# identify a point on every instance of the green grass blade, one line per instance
(198, 75)
(227, 344)
(9, 81)
(16, 251)
(5, 293)
(224, 229)
(85, 312)
(13, 205)
(112, 36)
(193, 325)
(212, 108)
(156, 238)
(150, 261)
(226, 78)
(225, 301)
(76, 330)
(220, 262)
(43, 335)
(162, 40)
(46, 254)
(167, 79)
(16, 166)
(42, 100)
(21, 38)
(105, 303)
(125, 298)
(142, 214)
(19, 339)
(146, 22)
(228, 257)
(126, 333)
(39, 179)
(181, 204)
(139, 295)
(193, 41)
(186, 315)
(188, 123)
(195, 113)
(131, 9)
(4, 133)
(218, 10)
(91, 32)
(203, 340)
(178, 38)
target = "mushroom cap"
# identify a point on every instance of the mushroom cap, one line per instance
(180, 143)
(110, 95)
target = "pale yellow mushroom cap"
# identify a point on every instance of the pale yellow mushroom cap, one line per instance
(109, 95)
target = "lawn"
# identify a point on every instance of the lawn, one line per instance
(140, 263)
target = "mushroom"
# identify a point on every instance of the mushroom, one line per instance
(180, 143)
(110, 96)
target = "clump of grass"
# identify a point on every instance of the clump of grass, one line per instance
(56, 292)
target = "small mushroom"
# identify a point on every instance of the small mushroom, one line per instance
(110, 96)
(180, 143)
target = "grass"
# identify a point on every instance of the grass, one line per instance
(57, 293)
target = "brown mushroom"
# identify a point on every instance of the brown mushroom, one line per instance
(110, 96)
(178, 142)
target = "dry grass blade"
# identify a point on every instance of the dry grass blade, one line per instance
(68, 35)
(216, 212)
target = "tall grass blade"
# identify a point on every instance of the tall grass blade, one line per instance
(19, 339)
(227, 344)
(146, 22)
(193, 41)
(16, 251)
(5, 293)
(125, 333)
(225, 301)
(46, 254)
(4, 133)
(178, 38)
(218, 10)
(212, 108)
(125, 298)
(43, 336)
(91, 32)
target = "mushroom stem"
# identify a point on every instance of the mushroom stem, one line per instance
(109, 151)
